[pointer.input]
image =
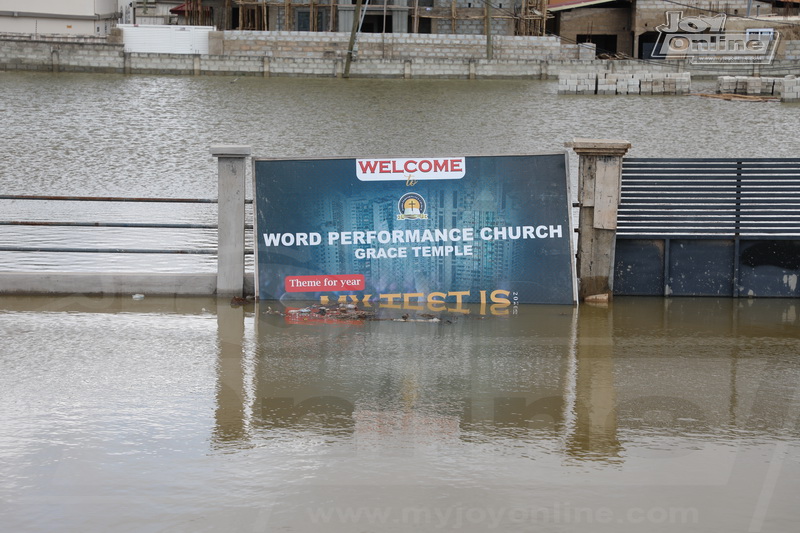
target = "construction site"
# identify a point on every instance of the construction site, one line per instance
(517, 17)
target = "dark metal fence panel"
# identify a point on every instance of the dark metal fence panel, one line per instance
(694, 197)
(709, 227)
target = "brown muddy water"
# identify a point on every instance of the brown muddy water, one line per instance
(188, 414)
(145, 136)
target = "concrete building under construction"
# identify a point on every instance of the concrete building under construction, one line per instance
(513, 17)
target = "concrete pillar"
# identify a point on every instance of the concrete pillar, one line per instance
(599, 181)
(55, 59)
(230, 232)
(400, 20)
(346, 17)
(216, 43)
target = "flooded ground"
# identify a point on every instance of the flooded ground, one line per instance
(187, 414)
(149, 136)
(191, 415)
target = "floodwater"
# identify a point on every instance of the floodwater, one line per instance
(188, 414)
(149, 136)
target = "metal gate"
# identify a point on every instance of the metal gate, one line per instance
(709, 227)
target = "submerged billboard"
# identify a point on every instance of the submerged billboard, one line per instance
(485, 229)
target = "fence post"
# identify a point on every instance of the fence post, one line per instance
(599, 182)
(230, 230)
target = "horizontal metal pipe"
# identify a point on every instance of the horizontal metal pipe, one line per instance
(111, 224)
(105, 224)
(113, 199)
(105, 250)
(109, 199)
(48, 249)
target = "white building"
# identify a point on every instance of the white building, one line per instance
(149, 12)
(72, 17)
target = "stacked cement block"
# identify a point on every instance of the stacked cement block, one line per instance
(583, 83)
(785, 87)
(791, 89)
(669, 83)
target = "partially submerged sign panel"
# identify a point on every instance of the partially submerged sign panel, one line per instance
(490, 229)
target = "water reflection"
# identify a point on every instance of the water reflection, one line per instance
(591, 384)
(675, 414)
(595, 434)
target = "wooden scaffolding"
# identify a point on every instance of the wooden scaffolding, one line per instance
(527, 19)
(532, 18)
(196, 14)
(254, 14)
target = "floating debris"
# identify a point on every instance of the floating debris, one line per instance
(238, 301)
(350, 314)
(138, 297)
(740, 97)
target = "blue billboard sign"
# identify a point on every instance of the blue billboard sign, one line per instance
(487, 229)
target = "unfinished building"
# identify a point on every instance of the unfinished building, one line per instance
(465, 17)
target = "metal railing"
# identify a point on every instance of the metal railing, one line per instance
(139, 225)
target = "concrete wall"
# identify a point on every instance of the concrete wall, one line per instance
(322, 55)
(304, 54)
(598, 21)
(391, 46)
(60, 54)
(791, 50)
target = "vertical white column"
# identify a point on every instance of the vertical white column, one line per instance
(230, 232)
(599, 181)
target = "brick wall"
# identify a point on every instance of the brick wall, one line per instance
(391, 46)
(323, 55)
(791, 50)
(59, 54)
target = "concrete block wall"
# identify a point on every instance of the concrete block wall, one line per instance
(25, 55)
(54, 38)
(791, 50)
(215, 65)
(308, 67)
(321, 54)
(474, 26)
(483, 69)
(179, 64)
(609, 83)
(59, 55)
(398, 46)
(102, 58)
